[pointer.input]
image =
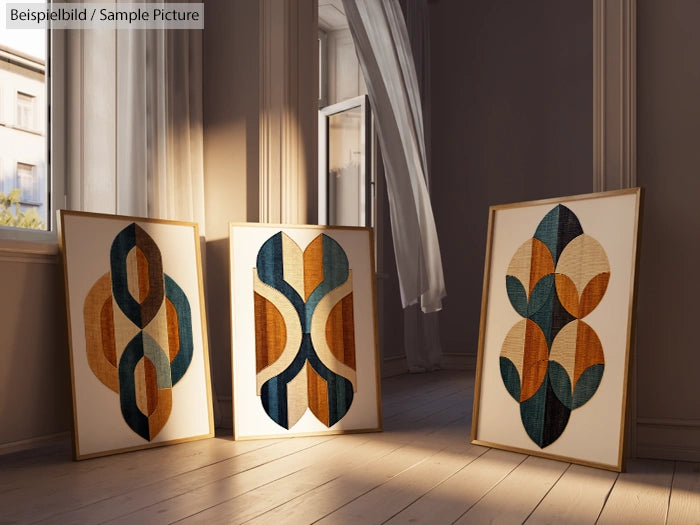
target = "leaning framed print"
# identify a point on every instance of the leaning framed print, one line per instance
(304, 328)
(556, 324)
(137, 332)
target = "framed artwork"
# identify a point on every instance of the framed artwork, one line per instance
(556, 323)
(137, 330)
(303, 330)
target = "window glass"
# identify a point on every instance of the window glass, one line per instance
(24, 173)
(25, 110)
(28, 183)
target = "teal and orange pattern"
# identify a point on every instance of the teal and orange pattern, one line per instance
(138, 331)
(304, 330)
(552, 361)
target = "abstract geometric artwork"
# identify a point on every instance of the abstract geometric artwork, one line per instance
(555, 328)
(138, 342)
(304, 357)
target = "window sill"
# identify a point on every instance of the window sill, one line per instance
(17, 245)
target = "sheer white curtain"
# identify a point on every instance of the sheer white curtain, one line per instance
(384, 51)
(135, 125)
(381, 40)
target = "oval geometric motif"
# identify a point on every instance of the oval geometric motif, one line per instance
(138, 331)
(552, 362)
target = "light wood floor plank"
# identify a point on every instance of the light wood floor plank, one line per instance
(325, 499)
(224, 490)
(684, 507)
(640, 495)
(390, 498)
(514, 498)
(91, 501)
(212, 493)
(260, 500)
(66, 484)
(449, 500)
(421, 469)
(577, 498)
(136, 498)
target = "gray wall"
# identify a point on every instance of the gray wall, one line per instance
(231, 158)
(668, 166)
(35, 389)
(512, 121)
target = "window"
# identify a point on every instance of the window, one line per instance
(26, 111)
(25, 177)
(28, 183)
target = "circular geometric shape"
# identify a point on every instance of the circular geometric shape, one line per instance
(525, 347)
(578, 354)
(582, 275)
(530, 263)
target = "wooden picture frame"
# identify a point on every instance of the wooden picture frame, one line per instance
(304, 330)
(137, 332)
(557, 309)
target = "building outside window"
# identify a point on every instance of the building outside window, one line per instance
(24, 101)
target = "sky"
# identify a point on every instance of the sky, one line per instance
(29, 41)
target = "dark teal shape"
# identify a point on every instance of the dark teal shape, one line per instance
(542, 317)
(552, 317)
(122, 244)
(182, 360)
(142, 345)
(544, 416)
(532, 413)
(560, 318)
(587, 384)
(557, 229)
(541, 294)
(561, 383)
(270, 267)
(511, 377)
(517, 295)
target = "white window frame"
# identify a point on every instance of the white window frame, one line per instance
(322, 68)
(28, 169)
(25, 111)
(22, 239)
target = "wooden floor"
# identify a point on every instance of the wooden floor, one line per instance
(421, 469)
